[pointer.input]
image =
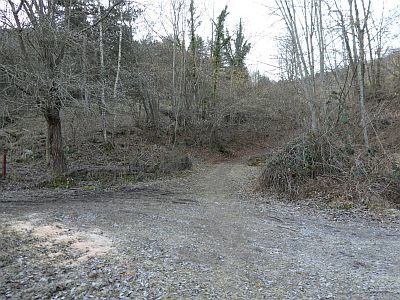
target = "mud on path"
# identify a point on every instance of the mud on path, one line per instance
(202, 236)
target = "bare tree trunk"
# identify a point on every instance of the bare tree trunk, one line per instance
(361, 82)
(84, 76)
(193, 67)
(304, 61)
(177, 8)
(375, 64)
(183, 87)
(321, 46)
(103, 107)
(174, 97)
(117, 77)
(370, 68)
(57, 160)
(84, 89)
(360, 28)
(119, 57)
(345, 38)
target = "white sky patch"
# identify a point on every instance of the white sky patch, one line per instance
(261, 25)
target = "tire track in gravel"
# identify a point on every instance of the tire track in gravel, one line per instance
(208, 236)
(288, 251)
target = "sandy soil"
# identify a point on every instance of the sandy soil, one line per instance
(206, 235)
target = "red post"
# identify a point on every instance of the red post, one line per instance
(4, 162)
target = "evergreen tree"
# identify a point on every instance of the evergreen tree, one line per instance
(220, 40)
(236, 51)
(194, 44)
(218, 46)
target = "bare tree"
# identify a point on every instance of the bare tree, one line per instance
(103, 104)
(117, 76)
(193, 66)
(359, 27)
(178, 22)
(44, 68)
(40, 75)
(306, 32)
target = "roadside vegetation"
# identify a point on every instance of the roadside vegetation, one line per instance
(86, 104)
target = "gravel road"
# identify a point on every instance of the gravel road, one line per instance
(204, 235)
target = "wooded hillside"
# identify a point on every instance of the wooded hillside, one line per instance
(80, 91)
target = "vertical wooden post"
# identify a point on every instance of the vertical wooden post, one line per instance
(4, 162)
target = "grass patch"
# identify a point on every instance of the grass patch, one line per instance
(88, 188)
(62, 182)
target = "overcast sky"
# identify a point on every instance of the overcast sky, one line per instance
(261, 26)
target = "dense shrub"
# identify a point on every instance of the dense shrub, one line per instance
(313, 156)
(302, 159)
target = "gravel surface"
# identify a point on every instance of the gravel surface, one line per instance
(205, 235)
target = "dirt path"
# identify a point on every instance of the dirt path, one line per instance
(201, 236)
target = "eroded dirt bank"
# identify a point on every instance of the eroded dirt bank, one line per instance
(201, 236)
